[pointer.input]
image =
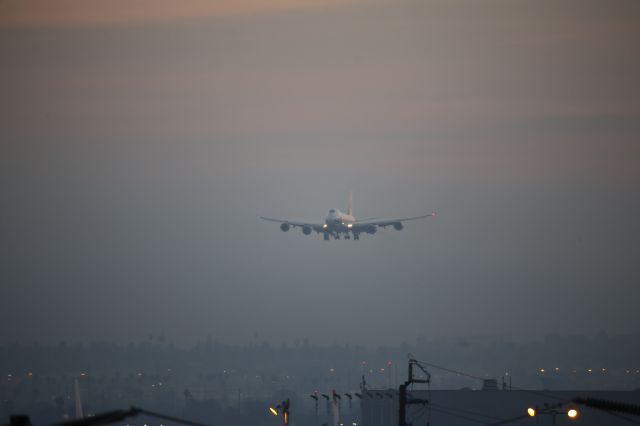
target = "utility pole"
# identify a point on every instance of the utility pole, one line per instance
(314, 395)
(403, 400)
(285, 412)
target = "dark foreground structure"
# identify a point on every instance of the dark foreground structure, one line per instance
(381, 407)
(497, 407)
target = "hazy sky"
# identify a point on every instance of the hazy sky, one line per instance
(140, 141)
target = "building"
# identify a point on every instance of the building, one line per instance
(474, 407)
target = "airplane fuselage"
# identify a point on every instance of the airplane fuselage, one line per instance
(337, 221)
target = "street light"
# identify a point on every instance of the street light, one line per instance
(314, 395)
(348, 395)
(283, 407)
(534, 411)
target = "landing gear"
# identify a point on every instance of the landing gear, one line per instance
(336, 236)
(326, 237)
(347, 236)
(356, 236)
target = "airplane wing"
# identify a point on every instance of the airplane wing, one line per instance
(314, 226)
(388, 222)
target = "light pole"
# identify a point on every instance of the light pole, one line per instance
(314, 395)
(283, 408)
(325, 396)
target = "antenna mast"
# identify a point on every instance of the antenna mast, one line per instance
(402, 391)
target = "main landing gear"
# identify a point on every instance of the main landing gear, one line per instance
(327, 236)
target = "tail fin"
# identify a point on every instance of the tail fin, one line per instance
(350, 206)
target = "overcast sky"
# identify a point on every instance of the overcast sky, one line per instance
(141, 141)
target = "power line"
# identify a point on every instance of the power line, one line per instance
(450, 370)
(471, 376)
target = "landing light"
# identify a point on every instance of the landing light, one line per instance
(350, 225)
(273, 411)
(324, 225)
(531, 412)
(573, 413)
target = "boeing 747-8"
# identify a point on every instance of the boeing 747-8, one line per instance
(338, 223)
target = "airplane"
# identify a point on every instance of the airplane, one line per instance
(337, 223)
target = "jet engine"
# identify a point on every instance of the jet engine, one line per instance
(371, 229)
(285, 227)
(306, 230)
(397, 226)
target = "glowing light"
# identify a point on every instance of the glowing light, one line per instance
(531, 412)
(324, 225)
(542, 370)
(273, 411)
(573, 413)
(350, 225)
